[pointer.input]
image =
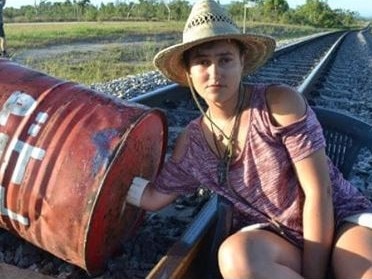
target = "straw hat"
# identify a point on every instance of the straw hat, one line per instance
(208, 21)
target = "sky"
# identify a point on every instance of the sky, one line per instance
(363, 7)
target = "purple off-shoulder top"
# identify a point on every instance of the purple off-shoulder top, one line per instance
(263, 173)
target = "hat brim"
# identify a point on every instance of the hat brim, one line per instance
(258, 50)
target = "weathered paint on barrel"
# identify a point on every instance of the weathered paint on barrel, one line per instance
(68, 155)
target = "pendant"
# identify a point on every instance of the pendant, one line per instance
(221, 172)
(220, 138)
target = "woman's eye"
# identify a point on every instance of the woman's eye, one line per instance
(225, 60)
(204, 62)
(199, 62)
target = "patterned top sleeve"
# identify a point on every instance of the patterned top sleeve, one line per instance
(175, 178)
(303, 137)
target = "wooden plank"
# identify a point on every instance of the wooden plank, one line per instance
(177, 262)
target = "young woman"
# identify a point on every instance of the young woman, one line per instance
(261, 147)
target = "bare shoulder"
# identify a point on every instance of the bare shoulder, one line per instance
(285, 103)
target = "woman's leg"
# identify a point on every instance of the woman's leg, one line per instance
(352, 255)
(258, 254)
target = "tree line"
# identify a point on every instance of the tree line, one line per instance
(315, 13)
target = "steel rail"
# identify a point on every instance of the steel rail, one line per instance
(309, 83)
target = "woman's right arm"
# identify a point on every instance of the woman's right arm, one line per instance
(153, 200)
(143, 194)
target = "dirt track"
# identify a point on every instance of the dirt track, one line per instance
(24, 55)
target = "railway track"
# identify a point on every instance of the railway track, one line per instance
(182, 232)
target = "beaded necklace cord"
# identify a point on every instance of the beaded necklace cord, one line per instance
(221, 136)
(225, 158)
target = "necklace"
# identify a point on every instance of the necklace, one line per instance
(224, 159)
(224, 163)
(222, 135)
(226, 155)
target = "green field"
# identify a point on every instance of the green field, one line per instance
(125, 48)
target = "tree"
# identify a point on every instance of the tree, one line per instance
(236, 10)
(81, 5)
(180, 9)
(317, 13)
(275, 8)
(314, 12)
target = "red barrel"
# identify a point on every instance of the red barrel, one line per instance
(68, 156)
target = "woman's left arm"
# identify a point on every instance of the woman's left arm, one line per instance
(318, 224)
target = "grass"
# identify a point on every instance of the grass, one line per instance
(110, 61)
(99, 66)
(33, 35)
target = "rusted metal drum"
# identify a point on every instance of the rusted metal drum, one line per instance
(68, 156)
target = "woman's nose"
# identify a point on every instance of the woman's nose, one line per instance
(214, 70)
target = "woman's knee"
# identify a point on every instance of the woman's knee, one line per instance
(258, 254)
(237, 256)
(352, 254)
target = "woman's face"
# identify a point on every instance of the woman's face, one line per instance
(215, 69)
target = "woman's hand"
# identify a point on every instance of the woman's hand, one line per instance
(142, 194)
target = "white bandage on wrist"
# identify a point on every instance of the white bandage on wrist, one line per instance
(136, 190)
